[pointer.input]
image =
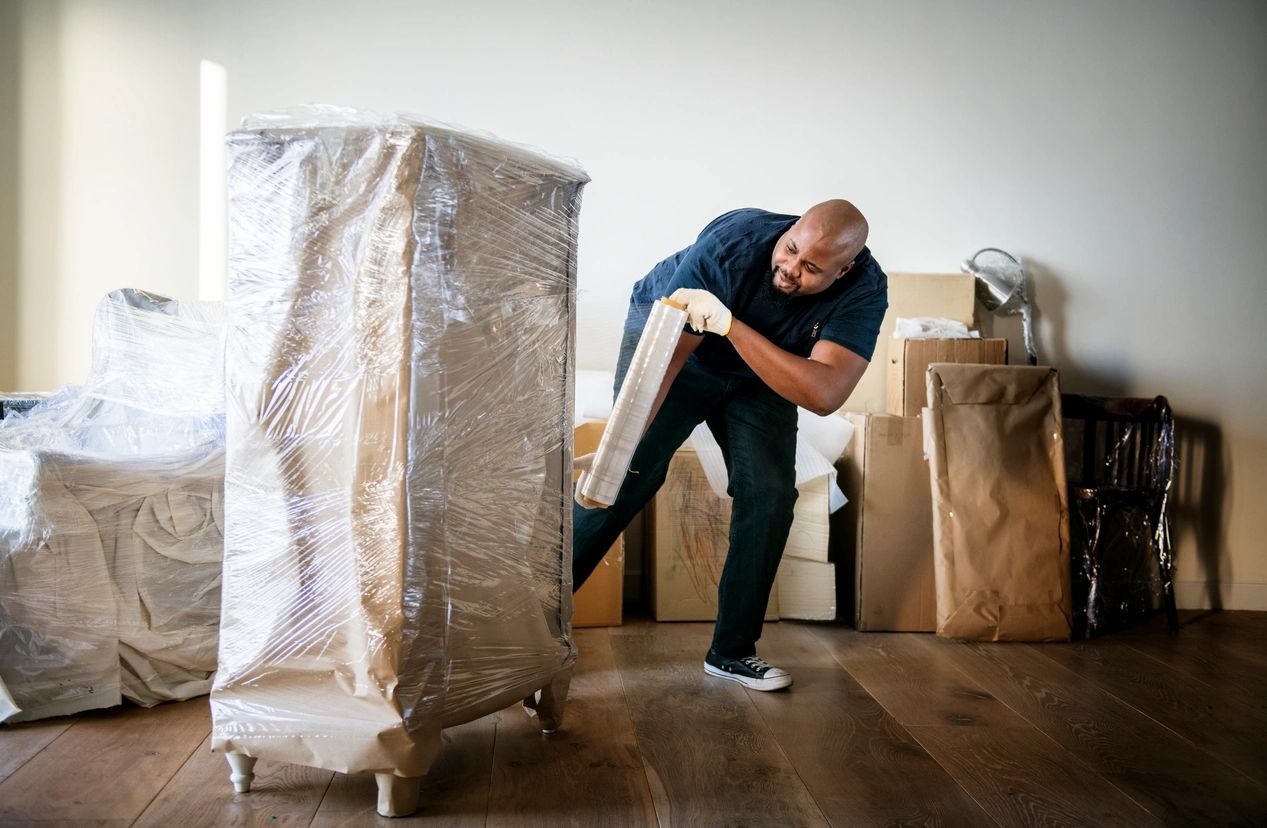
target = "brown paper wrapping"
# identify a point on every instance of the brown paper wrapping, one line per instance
(1000, 512)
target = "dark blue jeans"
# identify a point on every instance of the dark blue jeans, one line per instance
(756, 429)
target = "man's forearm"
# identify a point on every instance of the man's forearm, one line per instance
(801, 380)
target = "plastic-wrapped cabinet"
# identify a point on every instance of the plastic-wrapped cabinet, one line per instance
(111, 516)
(398, 489)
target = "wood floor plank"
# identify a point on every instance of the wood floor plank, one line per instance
(1121, 730)
(707, 749)
(587, 774)
(1175, 780)
(78, 776)
(201, 794)
(67, 823)
(454, 793)
(1224, 727)
(1022, 778)
(1242, 630)
(18, 743)
(928, 694)
(861, 766)
(1219, 651)
(917, 689)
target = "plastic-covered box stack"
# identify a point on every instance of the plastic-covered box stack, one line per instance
(111, 516)
(398, 489)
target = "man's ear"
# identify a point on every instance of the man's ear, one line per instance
(845, 269)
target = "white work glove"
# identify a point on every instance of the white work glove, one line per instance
(704, 311)
(582, 464)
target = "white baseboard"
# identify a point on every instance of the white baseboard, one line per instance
(1232, 596)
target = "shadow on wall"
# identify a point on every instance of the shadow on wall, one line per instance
(1198, 497)
(1048, 296)
(1197, 501)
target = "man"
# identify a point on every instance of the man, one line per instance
(786, 311)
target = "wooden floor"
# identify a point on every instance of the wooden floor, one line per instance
(880, 729)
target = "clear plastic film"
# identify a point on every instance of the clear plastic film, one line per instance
(599, 486)
(111, 518)
(400, 408)
(1120, 456)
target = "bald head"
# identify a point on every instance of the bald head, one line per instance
(819, 248)
(841, 223)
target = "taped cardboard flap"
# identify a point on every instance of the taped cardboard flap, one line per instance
(973, 385)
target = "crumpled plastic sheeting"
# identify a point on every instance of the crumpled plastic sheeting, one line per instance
(111, 519)
(399, 406)
(931, 327)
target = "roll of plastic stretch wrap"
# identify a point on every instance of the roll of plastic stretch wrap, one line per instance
(600, 485)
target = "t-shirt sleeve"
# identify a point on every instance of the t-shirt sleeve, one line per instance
(856, 326)
(703, 268)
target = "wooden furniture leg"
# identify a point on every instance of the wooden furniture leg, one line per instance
(397, 795)
(241, 771)
(548, 703)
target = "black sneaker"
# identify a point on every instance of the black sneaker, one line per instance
(751, 672)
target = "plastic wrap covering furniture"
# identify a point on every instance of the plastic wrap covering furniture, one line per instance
(600, 485)
(111, 518)
(399, 408)
(1120, 459)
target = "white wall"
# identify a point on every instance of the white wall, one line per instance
(107, 170)
(1118, 147)
(10, 44)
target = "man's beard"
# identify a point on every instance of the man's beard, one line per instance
(773, 294)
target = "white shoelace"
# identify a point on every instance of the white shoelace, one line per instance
(756, 663)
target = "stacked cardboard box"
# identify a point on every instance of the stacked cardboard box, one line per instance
(946, 295)
(909, 360)
(883, 539)
(884, 535)
(598, 603)
(690, 536)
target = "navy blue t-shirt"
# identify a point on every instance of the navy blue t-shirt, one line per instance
(732, 260)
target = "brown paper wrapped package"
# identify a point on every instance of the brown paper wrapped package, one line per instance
(1000, 512)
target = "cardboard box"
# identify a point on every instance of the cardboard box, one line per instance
(599, 602)
(948, 295)
(887, 526)
(909, 360)
(1000, 511)
(807, 589)
(690, 536)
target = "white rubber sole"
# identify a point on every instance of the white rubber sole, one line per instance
(765, 685)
